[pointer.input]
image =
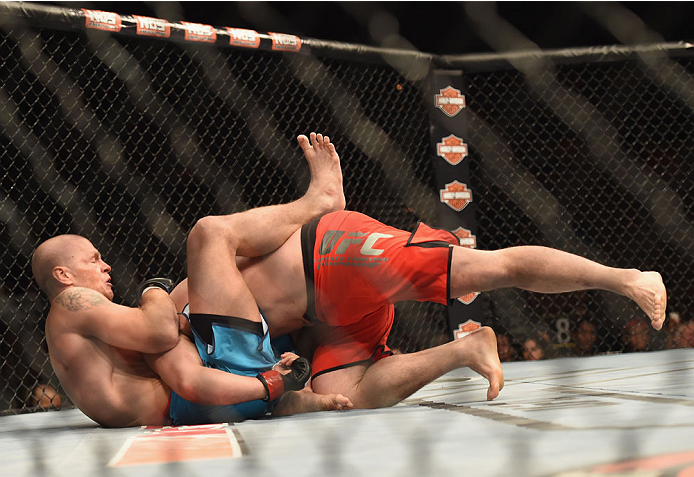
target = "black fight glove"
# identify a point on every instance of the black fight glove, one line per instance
(277, 383)
(165, 284)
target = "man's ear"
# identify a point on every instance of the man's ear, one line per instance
(63, 276)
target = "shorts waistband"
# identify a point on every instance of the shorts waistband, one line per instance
(308, 242)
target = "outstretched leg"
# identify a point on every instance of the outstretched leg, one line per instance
(546, 270)
(392, 379)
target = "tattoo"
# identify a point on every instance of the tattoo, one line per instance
(81, 299)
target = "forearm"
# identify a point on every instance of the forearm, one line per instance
(161, 319)
(182, 370)
(218, 388)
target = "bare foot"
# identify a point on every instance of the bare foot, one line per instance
(480, 355)
(648, 291)
(325, 190)
(296, 402)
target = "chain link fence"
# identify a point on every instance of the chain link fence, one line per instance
(129, 141)
(595, 159)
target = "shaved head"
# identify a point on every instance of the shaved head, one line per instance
(58, 251)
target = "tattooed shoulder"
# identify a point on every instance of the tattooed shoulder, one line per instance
(79, 299)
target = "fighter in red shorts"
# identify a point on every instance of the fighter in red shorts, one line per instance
(361, 267)
(356, 269)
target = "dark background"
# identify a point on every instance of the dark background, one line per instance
(432, 27)
(527, 153)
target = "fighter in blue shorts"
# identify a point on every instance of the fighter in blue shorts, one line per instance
(122, 366)
(237, 346)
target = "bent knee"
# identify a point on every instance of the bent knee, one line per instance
(209, 229)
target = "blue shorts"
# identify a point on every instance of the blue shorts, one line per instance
(233, 345)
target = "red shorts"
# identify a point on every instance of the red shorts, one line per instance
(356, 269)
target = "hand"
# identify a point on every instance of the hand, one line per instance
(165, 284)
(276, 383)
(284, 364)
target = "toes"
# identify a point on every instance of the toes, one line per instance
(303, 142)
(319, 140)
(493, 391)
(313, 139)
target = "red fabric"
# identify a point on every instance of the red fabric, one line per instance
(274, 382)
(361, 268)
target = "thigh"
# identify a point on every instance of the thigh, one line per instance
(343, 381)
(215, 284)
(175, 365)
(477, 271)
(362, 342)
(361, 265)
(237, 346)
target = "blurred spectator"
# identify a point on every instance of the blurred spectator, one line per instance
(532, 350)
(44, 396)
(636, 335)
(684, 335)
(544, 335)
(672, 325)
(665, 338)
(585, 338)
(505, 347)
(536, 347)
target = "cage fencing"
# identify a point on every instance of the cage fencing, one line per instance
(129, 140)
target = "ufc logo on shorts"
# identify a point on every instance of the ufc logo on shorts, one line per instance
(330, 241)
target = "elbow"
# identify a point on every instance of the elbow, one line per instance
(170, 339)
(169, 331)
(186, 389)
(165, 340)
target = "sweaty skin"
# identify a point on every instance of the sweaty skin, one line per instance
(278, 285)
(96, 346)
(106, 355)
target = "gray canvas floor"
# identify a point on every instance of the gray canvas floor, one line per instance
(620, 415)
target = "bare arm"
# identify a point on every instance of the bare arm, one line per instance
(182, 370)
(151, 328)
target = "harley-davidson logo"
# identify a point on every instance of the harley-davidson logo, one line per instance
(469, 298)
(456, 195)
(450, 101)
(467, 239)
(466, 328)
(452, 149)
